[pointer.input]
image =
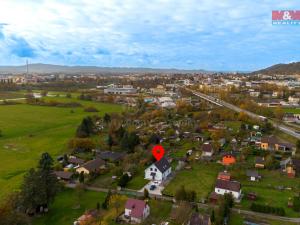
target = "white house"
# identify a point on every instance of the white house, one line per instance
(159, 170)
(228, 186)
(136, 210)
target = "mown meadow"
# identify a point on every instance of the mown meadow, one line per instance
(30, 130)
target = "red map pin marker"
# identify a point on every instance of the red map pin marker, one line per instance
(158, 152)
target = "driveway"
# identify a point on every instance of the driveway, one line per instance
(157, 191)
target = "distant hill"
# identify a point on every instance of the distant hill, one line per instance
(287, 69)
(49, 68)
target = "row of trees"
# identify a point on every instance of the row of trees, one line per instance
(38, 191)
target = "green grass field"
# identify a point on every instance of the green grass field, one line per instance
(291, 110)
(138, 181)
(64, 210)
(234, 125)
(200, 178)
(268, 192)
(29, 131)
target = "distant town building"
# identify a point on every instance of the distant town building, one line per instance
(166, 102)
(125, 90)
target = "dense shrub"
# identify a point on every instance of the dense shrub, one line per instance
(91, 109)
(267, 209)
(296, 204)
(85, 144)
(55, 103)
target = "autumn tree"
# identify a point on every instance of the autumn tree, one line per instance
(85, 144)
(10, 215)
(278, 112)
(182, 212)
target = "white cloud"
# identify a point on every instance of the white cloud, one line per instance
(168, 33)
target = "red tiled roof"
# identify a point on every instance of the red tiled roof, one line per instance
(228, 185)
(136, 206)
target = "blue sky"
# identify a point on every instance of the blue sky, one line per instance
(188, 34)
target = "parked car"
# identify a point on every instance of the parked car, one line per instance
(152, 187)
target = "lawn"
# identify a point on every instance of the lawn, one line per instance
(160, 209)
(291, 110)
(138, 181)
(268, 192)
(30, 130)
(234, 125)
(200, 178)
(270, 197)
(64, 210)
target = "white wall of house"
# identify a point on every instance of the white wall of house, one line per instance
(221, 191)
(159, 176)
(82, 169)
(127, 212)
(146, 213)
(209, 154)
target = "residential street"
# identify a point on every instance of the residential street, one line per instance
(201, 205)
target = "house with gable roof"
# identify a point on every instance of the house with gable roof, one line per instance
(159, 170)
(136, 210)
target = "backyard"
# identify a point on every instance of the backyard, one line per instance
(200, 178)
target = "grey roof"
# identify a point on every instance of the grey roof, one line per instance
(93, 165)
(260, 160)
(252, 173)
(113, 156)
(76, 161)
(296, 164)
(162, 165)
(63, 174)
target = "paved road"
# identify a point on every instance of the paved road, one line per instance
(219, 102)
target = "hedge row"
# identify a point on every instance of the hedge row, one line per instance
(267, 209)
